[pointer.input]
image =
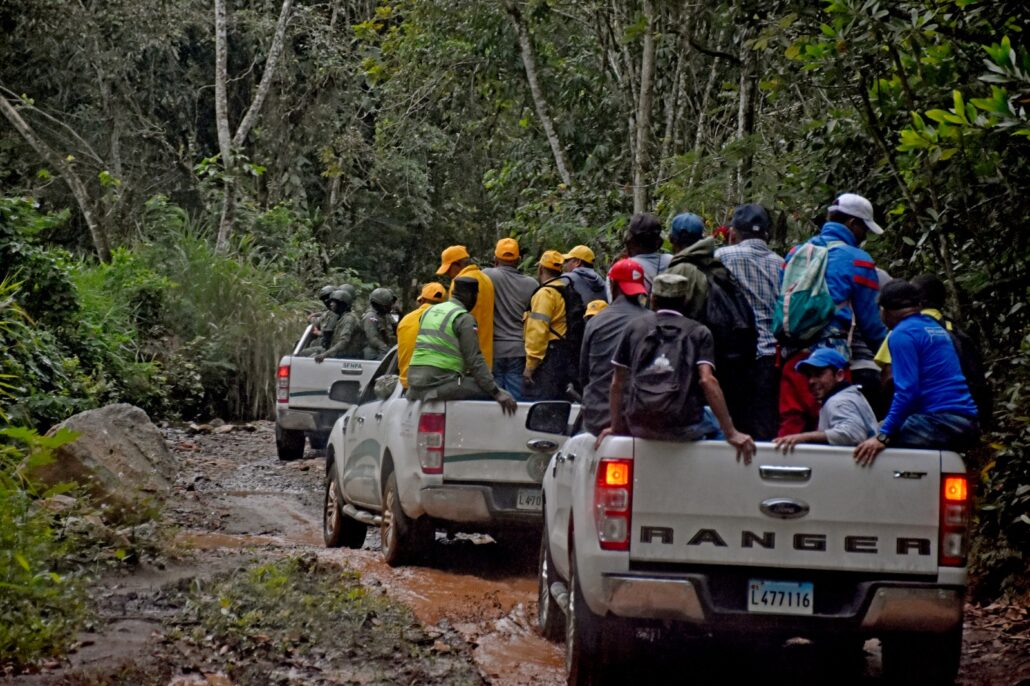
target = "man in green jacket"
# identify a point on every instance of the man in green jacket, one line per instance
(447, 363)
(690, 245)
(347, 340)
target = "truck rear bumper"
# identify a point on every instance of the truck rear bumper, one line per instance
(877, 608)
(477, 504)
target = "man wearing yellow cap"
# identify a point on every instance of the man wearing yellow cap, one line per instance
(407, 329)
(512, 292)
(455, 262)
(549, 362)
(579, 269)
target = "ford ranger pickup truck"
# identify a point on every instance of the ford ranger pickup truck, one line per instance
(413, 467)
(682, 538)
(311, 396)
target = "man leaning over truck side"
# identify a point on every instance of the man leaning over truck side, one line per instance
(407, 329)
(665, 366)
(846, 417)
(932, 407)
(447, 363)
(348, 340)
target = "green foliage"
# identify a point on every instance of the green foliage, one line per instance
(40, 609)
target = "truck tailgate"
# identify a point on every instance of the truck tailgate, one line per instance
(482, 444)
(813, 509)
(311, 382)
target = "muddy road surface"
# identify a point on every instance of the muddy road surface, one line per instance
(242, 522)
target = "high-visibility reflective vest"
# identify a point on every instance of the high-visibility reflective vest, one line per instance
(436, 344)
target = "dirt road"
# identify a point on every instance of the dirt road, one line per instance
(236, 505)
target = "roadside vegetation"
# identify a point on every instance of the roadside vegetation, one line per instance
(161, 240)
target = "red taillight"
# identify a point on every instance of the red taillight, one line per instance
(430, 442)
(954, 524)
(282, 389)
(613, 497)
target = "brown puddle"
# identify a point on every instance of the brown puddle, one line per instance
(487, 604)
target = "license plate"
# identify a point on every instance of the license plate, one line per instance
(530, 499)
(780, 597)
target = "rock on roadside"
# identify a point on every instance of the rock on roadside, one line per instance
(120, 457)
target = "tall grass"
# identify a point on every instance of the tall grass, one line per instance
(239, 312)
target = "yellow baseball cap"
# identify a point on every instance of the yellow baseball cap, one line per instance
(580, 252)
(433, 293)
(507, 249)
(552, 259)
(593, 307)
(450, 256)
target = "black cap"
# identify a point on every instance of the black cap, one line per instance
(751, 219)
(643, 223)
(899, 294)
(466, 283)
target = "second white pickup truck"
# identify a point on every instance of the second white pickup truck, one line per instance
(412, 467)
(311, 396)
(682, 538)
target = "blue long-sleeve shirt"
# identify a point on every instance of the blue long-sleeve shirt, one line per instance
(852, 280)
(928, 377)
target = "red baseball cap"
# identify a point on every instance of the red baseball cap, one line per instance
(629, 275)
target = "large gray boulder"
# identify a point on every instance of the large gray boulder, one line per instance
(119, 457)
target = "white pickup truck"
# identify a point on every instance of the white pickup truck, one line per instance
(412, 467)
(682, 538)
(311, 396)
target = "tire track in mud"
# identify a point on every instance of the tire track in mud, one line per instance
(236, 494)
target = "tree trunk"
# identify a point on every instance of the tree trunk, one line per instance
(642, 160)
(228, 218)
(275, 51)
(539, 100)
(745, 118)
(101, 243)
(702, 117)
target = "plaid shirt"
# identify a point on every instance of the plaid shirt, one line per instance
(758, 269)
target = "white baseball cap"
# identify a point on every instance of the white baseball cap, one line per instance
(857, 206)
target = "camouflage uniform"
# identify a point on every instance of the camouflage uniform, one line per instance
(348, 339)
(380, 333)
(326, 324)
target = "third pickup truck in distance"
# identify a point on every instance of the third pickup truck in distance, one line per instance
(684, 539)
(413, 467)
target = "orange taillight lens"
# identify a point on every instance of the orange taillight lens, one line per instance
(616, 474)
(956, 489)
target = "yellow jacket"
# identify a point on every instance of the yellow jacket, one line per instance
(546, 312)
(483, 312)
(407, 331)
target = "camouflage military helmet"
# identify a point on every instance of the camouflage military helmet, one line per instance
(342, 296)
(383, 297)
(325, 292)
(349, 288)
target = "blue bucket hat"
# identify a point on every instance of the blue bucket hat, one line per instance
(821, 358)
(686, 226)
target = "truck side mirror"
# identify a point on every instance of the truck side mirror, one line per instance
(549, 417)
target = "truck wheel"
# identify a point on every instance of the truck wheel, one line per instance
(403, 538)
(337, 528)
(318, 441)
(289, 444)
(550, 618)
(585, 658)
(922, 658)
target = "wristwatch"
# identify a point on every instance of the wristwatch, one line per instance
(883, 438)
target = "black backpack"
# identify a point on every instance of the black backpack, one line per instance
(659, 385)
(971, 361)
(575, 309)
(728, 314)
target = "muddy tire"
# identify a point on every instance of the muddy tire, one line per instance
(318, 441)
(403, 538)
(549, 616)
(289, 444)
(337, 528)
(922, 658)
(585, 657)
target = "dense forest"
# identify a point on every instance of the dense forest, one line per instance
(178, 178)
